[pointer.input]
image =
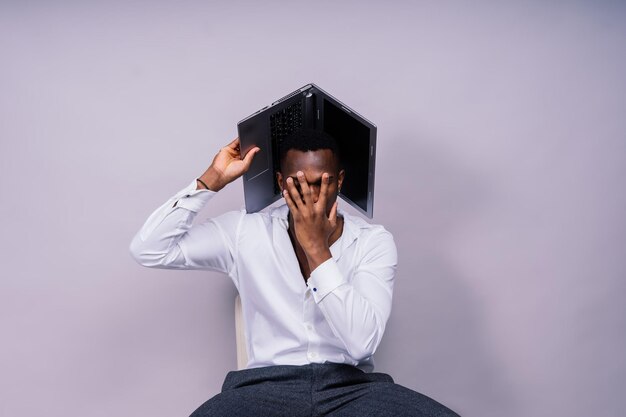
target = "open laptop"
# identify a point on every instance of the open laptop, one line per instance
(313, 108)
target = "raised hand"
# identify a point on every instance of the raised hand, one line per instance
(313, 227)
(227, 166)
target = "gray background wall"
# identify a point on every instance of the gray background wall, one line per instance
(502, 144)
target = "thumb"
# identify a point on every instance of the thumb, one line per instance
(247, 160)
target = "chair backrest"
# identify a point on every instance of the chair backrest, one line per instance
(240, 335)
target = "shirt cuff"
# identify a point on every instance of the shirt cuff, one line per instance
(192, 199)
(324, 279)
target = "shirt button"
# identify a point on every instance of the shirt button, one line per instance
(314, 289)
(309, 327)
(312, 355)
(188, 195)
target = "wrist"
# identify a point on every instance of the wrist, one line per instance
(212, 179)
(317, 256)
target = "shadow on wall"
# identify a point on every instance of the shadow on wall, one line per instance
(436, 340)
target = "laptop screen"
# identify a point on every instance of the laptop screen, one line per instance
(353, 139)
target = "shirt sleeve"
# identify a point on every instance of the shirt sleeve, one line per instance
(357, 311)
(168, 239)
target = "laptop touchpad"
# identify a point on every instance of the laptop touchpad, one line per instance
(252, 136)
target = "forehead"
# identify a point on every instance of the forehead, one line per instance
(319, 161)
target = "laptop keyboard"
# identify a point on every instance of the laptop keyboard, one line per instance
(286, 121)
(283, 123)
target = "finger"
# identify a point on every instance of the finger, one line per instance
(290, 203)
(321, 201)
(247, 160)
(332, 217)
(234, 145)
(293, 192)
(304, 186)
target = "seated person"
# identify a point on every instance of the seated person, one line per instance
(315, 285)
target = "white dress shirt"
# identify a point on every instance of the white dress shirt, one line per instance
(338, 316)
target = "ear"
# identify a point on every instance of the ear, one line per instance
(279, 180)
(340, 178)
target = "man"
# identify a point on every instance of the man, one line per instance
(315, 285)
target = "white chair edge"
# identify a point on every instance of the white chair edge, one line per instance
(240, 335)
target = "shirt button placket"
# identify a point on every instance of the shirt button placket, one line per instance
(309, 311)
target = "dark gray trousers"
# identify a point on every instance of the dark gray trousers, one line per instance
(316, 390)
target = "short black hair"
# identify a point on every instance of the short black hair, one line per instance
(307, 140)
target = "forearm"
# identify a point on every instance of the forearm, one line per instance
(155, 244)
(355, 315)
(354, 321)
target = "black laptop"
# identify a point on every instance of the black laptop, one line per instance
(312, 108)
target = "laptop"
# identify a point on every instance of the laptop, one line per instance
(312, 108)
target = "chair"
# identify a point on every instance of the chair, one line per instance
(240, 335)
